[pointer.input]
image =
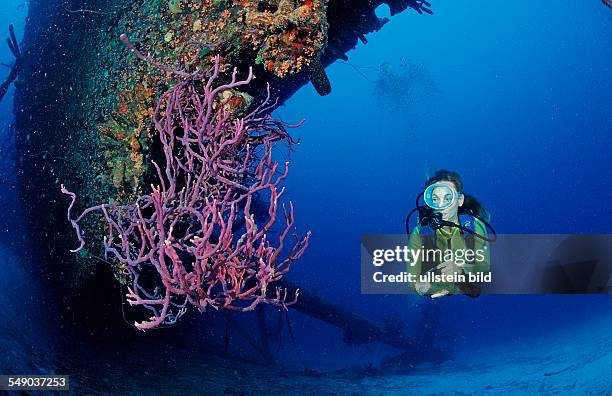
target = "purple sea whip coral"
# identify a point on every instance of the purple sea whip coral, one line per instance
(193, 240)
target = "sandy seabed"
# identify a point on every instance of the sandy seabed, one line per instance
(574, 360)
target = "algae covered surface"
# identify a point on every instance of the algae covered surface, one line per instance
(276, 37)
(84, 101)
(90, 127)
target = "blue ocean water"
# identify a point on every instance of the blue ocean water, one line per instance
(520, 108)
(515, 98)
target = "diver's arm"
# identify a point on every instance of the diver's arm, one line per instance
(482, 248)
(482, 256)
(415, 244)
(480, 263)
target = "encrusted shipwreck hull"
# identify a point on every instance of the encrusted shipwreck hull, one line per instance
(83, 102)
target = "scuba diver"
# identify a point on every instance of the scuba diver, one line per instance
(450, 225)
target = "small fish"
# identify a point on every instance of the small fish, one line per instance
(607, 2)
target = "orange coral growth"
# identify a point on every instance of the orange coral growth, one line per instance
(283, 36)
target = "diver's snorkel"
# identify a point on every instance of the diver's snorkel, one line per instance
(430, 215)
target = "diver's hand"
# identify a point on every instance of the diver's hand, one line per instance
(440, 293)
(422, 287)
(449, 268)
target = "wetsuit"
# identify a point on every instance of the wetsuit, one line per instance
(454, 239)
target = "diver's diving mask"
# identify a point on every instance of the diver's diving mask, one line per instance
(441, 195)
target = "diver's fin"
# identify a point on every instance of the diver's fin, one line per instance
(318, 77)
